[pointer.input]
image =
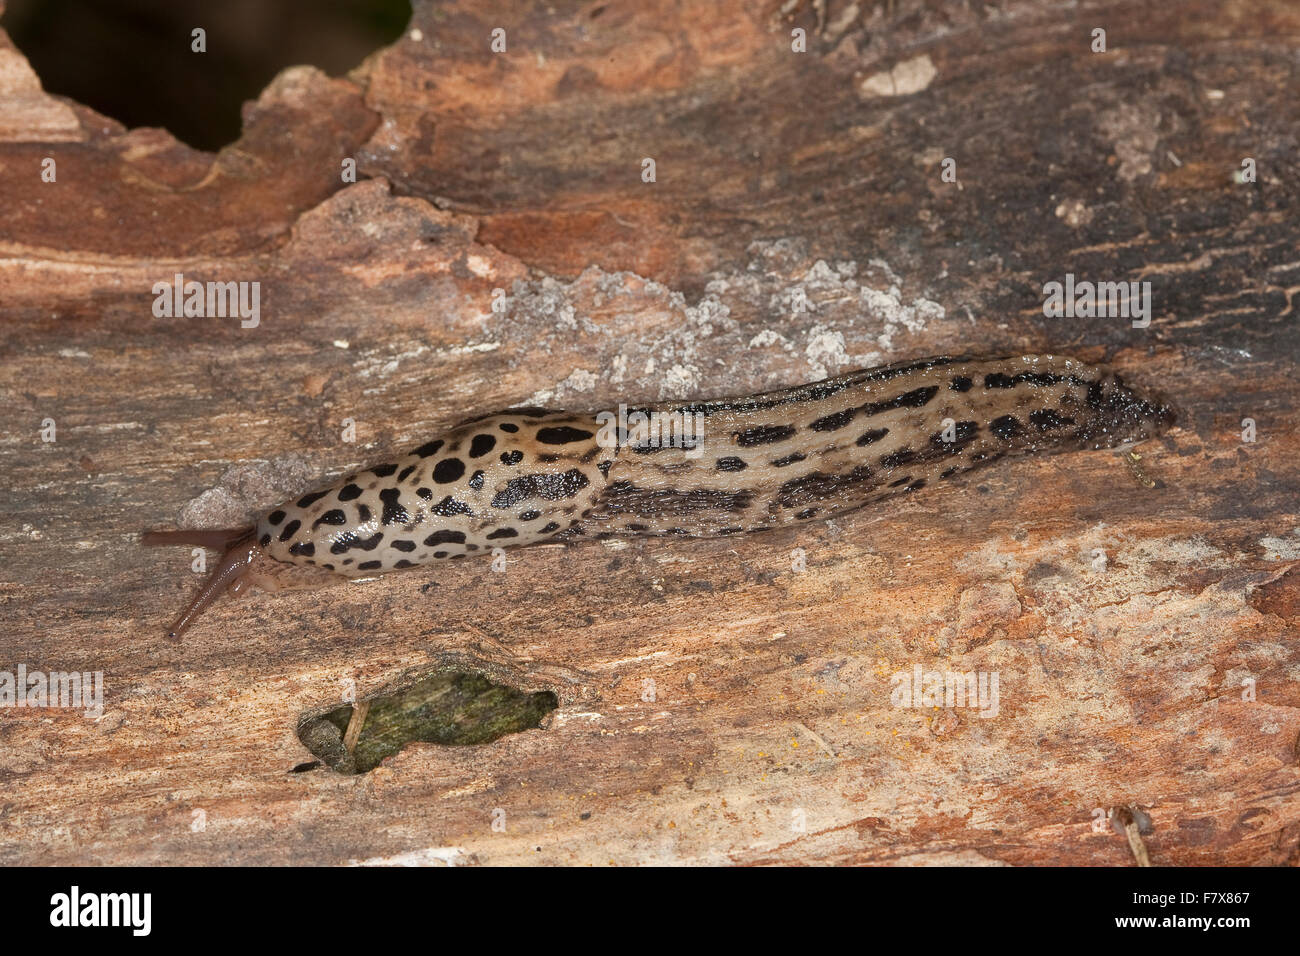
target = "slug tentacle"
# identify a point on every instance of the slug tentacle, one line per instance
(228, 573)
(695, 469)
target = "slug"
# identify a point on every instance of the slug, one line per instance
(731, 467)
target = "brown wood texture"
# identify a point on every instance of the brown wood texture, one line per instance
(720, 701)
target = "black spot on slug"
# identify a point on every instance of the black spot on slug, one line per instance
(871, 435)
(449, 506)
(308, 500)
(276, 516)
(529, 515)
(406, 473)
(429, 448)
(290, 530)
(476, 480)
(370, 565)
(333, 516)
(424, 493)
(508, 427)
(448, 470)
(394, 513)
(512, 457)
(481, 445)
(302, 548)
(961, 384)
(401, 544)
(503, 533)
(264, 540)
(384, 471)
(348, 492)
(1006, 427)
(788, 460)
(549, 527)
(731, 463)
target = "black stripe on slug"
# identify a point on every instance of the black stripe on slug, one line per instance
(540, 485)
(445, 537)
(871, 435)
(1045, 419)
(429, 449)
(1001, 380)
(502, 533)
(818, 485)
(370, 565)
(963, 433)
(731, 463)
(763, 435)
(406, 473)
(276, 516)
(829, 423)
(562, 435)
(788, 460)
(900, 457)
(916, 398)
(307, 501)
(289, 530)
(349, 540)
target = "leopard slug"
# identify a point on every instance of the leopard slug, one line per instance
(747, 464)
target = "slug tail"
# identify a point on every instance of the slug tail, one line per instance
(238, 556)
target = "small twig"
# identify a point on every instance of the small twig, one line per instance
(1132, 458)
(355, 723)
(1125, 818)
(820, 743)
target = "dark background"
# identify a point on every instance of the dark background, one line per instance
(132, 59)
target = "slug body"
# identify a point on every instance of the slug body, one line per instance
(699, 469)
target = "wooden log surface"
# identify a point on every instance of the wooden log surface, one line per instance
(720, 701)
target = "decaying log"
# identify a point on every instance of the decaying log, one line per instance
(719, 701)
